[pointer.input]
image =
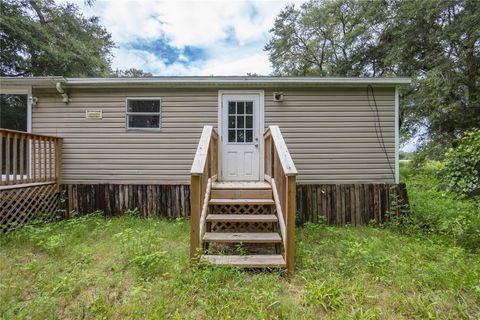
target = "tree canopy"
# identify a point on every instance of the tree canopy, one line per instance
(131, 73)
(436, 43)
(41, 38)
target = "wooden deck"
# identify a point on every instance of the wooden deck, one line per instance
(235, 213)
(31, 174)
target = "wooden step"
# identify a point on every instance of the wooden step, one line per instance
(241, 194)
(241, 201)
(241, 185)
(243, 237)
(242, 218)
(250, 261)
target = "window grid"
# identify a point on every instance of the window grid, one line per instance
(240, 121)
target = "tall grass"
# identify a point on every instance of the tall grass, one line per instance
(133, 268)
(435, 211)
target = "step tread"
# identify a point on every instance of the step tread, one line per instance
(249, 261)
(241, 201)
(241, 185)
(245, 237)
(241, 194)
(242, 218)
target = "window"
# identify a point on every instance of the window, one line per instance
(143, 113)
(14, 116)
(14, 112)
(240, 121)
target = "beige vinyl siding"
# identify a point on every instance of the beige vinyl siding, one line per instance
(101, 151)
(330, 133)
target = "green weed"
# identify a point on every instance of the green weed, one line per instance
(133, 268)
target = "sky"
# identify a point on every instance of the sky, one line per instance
(179, 37)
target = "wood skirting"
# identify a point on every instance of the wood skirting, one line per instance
(169, 201)
(335, 204)
(355, 204)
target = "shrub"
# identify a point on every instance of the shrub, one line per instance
(462, 164)
(434, 210)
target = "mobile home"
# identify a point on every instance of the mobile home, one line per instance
(194, 146)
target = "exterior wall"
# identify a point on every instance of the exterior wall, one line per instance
(331, 134)
(329, 131)
(104, 151)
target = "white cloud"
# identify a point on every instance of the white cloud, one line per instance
(252, 63)
(203, 24)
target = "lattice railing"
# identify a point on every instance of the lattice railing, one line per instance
(242, 226)
(31, 167)
(19, 206)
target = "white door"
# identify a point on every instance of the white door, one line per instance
(241, 116)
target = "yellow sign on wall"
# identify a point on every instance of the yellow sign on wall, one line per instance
(93, 114)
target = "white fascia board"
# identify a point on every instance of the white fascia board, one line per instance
(192, 82)
(236, 81)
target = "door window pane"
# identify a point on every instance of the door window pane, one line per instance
(249, 122)
(231, 107)
(249, 107)
(248, 135)
(240, 136)
(231, 135)
(240, 122)
(231, 122)
(240, 107)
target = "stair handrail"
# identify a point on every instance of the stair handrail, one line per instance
(281, 172)
(202, 174)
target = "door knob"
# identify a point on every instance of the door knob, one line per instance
(256, 145)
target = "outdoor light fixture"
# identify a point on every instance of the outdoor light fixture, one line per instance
(278, 96)
(33, 100)
(60, 90)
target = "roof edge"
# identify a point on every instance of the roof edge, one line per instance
(210, 81)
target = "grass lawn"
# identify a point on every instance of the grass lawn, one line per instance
(129, 267)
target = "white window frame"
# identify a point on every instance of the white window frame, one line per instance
(127, 114)
(22, 91)
(28, 92)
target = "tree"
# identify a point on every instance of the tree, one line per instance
(131, 73)
(41, 38)
(437, 43)
(462, 164)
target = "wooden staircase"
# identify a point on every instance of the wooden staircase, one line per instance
(243, 224)
(238, 211)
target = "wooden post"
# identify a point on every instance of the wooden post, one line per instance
(45, 161)
(7, 158)
(195, 188)
(14, 160)
(33, 162)
(58, 162)
(22, 159)
(291, 209)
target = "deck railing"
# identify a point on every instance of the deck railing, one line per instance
(27, 158)
(31, 172)
(280, 170)
(203, 173)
